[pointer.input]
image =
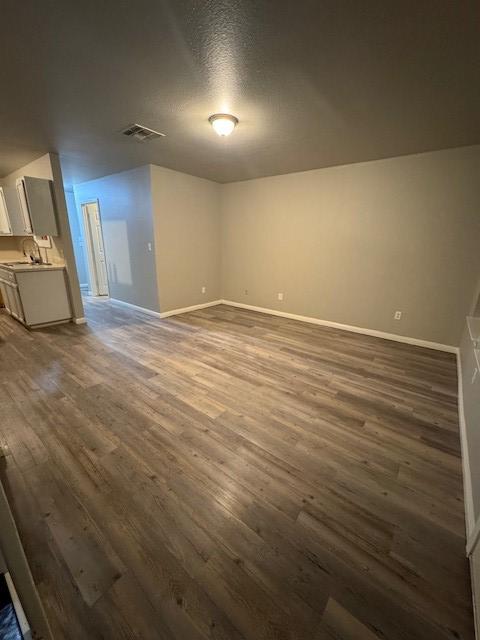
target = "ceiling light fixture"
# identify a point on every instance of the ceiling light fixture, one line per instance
(223, 123)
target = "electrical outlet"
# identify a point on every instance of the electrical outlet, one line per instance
(149, 246)
(204, 289)
(397, 315)
(280, 296)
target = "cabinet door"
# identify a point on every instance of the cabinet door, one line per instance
(26, 222)
(5, 228)
(15, 215)
(39, 194)
(17, 304)
(11, 305)
(3, 291)
(44, 296)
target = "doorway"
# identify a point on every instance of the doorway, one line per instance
(95, 250)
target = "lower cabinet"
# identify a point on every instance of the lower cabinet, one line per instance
(36, 297)
(11, 299)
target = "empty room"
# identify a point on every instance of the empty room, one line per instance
(240, 320)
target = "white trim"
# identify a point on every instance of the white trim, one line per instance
(195, 307)
(135, 307)
(467, 477)
(347, 327)
(475, 598)
(166, 314)
(473, 538)
(82, 320)
(19, 612)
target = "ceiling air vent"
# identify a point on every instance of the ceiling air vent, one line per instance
(141, 133)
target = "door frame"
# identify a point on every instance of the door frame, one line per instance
(92, 271)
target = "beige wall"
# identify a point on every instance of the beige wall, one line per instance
(186, 219)
(354, 243)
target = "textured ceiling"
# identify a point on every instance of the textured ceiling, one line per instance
(314, 83)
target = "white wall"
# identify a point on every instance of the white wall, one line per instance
(354, 243)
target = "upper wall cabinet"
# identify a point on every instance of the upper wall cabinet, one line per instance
(13, 211)
(5, 226)
(37, 207)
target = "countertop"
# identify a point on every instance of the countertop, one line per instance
(31, 267)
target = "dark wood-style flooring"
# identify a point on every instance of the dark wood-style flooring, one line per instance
(231, 475)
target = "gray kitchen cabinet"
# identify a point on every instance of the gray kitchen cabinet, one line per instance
(10, 295)
(44, 296)
(37, 206)
(14, 212)
(36, 295)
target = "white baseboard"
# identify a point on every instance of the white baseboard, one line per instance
(135, 307)
(195, 307)
(166, 314)
(467, 477)
(347, 327)
(79, 320)
(293, 316)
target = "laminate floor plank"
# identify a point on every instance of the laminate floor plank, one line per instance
(230, 475)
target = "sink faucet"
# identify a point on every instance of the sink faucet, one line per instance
(38, 260)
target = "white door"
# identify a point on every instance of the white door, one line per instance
(95, 249)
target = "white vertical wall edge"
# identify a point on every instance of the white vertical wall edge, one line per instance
(473, 538)
(467, 478)
(476, 599)
(472, 527)
(19, 612)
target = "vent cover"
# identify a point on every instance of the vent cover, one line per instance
(141, 133)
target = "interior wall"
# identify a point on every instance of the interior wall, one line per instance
(186, 214)
(77, 238)
(353, 244)
(126, 212)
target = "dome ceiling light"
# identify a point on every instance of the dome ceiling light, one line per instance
(223, 123)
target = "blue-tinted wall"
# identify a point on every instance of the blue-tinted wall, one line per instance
(76, 229)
